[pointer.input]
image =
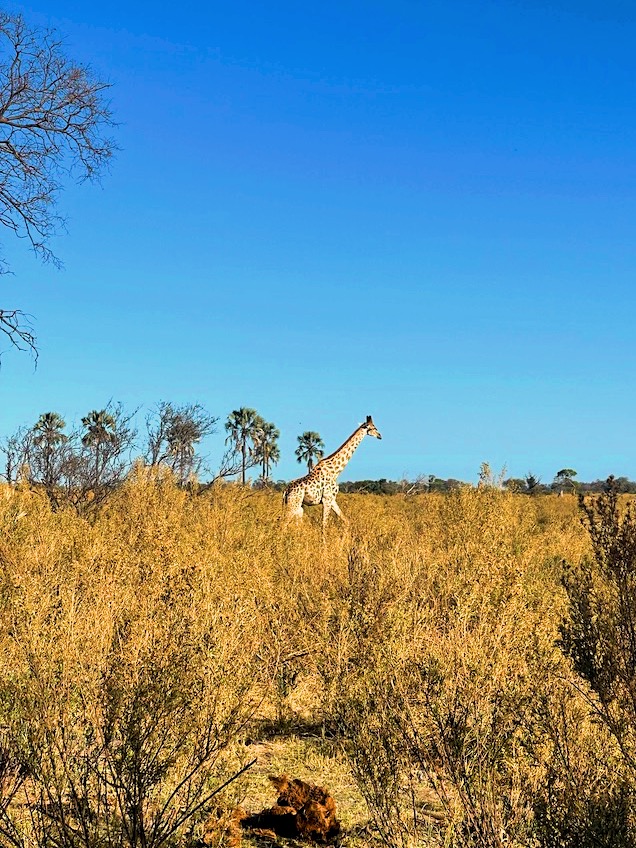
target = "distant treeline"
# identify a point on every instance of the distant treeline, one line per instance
(399, 487)
(622, 485)
(521, 485)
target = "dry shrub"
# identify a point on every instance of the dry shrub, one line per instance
(599, 637)
(451, 641)
(136, 647)
(584, 798)
(132, 670)
(223, 828)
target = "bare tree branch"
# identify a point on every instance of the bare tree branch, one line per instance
(16, 325)
(53, 114)
(173, 434)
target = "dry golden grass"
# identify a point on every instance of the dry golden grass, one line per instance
(409, 661)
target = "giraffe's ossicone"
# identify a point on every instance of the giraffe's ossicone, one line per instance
(320, 485)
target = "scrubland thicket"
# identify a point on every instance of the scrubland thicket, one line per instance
(473, 693)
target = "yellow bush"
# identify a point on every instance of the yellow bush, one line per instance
(148, 639)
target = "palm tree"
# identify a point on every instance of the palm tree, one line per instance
(47, 436)
(101, 431)
(266, 448)
(310, 447)
(242, 425)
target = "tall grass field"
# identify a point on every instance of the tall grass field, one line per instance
(442, 664)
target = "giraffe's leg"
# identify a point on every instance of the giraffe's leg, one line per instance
(292, 516)
(294, 506)
(326, 509)
(338, 512)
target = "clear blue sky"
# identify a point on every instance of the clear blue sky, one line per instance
(420, 210)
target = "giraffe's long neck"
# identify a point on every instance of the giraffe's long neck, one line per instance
(339, 458)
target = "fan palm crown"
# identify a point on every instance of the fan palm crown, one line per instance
(100, 428)
(242, 425)
(310, 447)
(266, 448)
(101, 431)
(48, 430)
(47, 437)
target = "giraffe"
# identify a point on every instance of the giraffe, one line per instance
(320, 486)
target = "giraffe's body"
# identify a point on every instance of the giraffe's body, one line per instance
(320, 485)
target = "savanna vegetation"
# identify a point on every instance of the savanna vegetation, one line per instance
(458, 665)
(457, 668)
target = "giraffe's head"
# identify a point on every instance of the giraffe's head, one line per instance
(371, 429)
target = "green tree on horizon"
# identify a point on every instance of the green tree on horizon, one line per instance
(563, 478)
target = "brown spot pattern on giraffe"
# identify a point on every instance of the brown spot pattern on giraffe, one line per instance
(319, 486)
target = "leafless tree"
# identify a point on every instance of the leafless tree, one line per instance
(417, 486)
(16, 449)
(231, 464)
(16, 325)
(53, 119)
(173, 434)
